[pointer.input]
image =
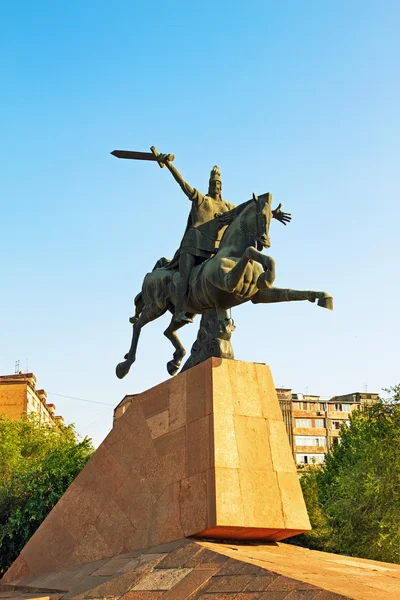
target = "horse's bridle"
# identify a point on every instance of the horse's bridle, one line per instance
(262, 238)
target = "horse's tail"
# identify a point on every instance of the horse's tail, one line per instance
(139, 306)
(161, 263)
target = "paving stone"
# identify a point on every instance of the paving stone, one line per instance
(231, 567)
(247, 596)
(179, 557)
(161, 579)
(229, 583)
(82, 587)
(116, 565)
(275, 595)
(117, 586)
(262, 582)
(147, 562)
(325, 595)
(135, 553)
(108, 598)
(208, 558)
(189, 584)
(249, 569)
(79, 572)
(142, 595)
(20, 595)
(132, 565)
(216, 596)
(303, 595)
(287, 583)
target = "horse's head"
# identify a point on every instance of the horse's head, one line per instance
(252, 217)
(263, 220)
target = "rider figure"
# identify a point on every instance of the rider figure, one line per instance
(199, 241)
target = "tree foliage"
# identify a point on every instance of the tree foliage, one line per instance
(320, 537)
(354, 499)
(37, 464)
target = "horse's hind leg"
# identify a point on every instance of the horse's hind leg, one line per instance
(150, 312)
(170, 333)
(139, 307)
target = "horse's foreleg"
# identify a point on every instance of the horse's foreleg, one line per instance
(150, 312)
(269, 295)
(170, 333)
(234, 276)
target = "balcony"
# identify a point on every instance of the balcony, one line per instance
(316, 431)
(308, 414)
(311, 449)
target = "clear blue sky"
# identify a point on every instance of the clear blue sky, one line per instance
(299, 98)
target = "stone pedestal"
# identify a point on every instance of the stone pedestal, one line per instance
(204, 454)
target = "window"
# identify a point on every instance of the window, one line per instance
(309, 459)
(302, 406)
(307, 423)
(342, 408)
(310, 440)
(303, 423)
(338, 424)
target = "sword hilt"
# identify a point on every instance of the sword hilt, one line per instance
(170, 157)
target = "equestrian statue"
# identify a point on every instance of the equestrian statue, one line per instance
(219, 265)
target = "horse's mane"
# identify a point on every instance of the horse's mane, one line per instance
(226, 218)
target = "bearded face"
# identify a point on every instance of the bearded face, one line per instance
(214, 189)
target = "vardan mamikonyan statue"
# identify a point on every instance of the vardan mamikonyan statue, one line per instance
(219, 264)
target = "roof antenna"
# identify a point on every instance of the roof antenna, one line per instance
(16, 371)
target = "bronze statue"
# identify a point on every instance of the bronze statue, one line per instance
(211, 274)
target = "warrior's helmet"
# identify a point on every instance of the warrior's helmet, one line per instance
(215, 175)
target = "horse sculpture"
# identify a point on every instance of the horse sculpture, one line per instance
(237, 273)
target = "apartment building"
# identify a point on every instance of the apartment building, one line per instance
(18, 395)
(313, 424)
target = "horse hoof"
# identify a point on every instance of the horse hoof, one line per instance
(122, 369)
(326, 302)
(172, 367)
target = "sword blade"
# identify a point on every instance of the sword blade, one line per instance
(135, 155)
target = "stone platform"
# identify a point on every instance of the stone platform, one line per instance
(195, 570)
(204, 454)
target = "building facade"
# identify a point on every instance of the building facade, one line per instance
(18, 395)
(313, 424)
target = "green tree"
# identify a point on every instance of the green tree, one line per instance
(37, 464)
(356, 494)
(321, 536)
